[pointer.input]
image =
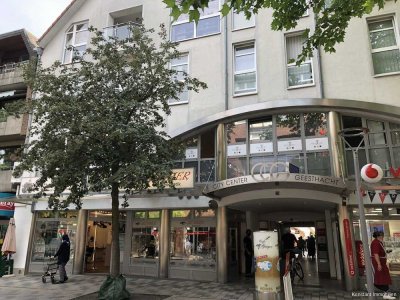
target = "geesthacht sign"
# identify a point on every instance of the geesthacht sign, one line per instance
(286, 176)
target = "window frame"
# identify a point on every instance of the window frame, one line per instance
(288, 65)
(247, 71)
(195, 36)
(384, 49)
(73, 44)
(245, 27)
(179, 102)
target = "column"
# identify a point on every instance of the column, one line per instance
(222, 244)
(350, 279)
(80, 242)
(221, 153)
(251, 221)
(165, 231)
(329, 241)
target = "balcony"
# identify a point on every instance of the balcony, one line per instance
(5, 180)
(119, 31)
(11, 73)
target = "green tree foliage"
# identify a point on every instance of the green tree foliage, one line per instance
(98, 123)
(332, 16)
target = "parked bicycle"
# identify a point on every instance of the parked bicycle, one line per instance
(296, 268)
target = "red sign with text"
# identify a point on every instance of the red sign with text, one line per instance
(7, 205)
(360, 257)
(349, 248)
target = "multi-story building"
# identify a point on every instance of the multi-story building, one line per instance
(261, 114)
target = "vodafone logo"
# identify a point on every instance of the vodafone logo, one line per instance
(371, 173)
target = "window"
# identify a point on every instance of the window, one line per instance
(240, 21)
(75, 42)
(288, 126)
(209, 23)
(181, 65)
(297, 75)
(384, 47)
(245, 78)
(121, 22)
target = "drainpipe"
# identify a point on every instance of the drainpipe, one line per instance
(226, 60)
(318, 50)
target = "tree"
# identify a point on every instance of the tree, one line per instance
(100, 121)
(332, 16)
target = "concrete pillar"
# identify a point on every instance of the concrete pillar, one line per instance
(80, 242)
(165, 231)
(329, 241)
(351, 281)
(222, 245)
(221, 153)
(337, 150)
(336, 246)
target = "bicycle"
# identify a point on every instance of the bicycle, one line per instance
(295, 266)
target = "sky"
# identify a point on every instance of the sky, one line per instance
(35, 16)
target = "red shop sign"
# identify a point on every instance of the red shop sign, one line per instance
(7, 205)
(360, 257)
(349, 248)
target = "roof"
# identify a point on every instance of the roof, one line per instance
(10, 39)
(61, 20)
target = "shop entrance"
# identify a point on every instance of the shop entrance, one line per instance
(98, 242)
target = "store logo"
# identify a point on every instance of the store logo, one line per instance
(395, 173)
(265, 168)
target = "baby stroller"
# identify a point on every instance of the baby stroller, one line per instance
(50, 270)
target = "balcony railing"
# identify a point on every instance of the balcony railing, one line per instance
(11, 67)
(120, 31)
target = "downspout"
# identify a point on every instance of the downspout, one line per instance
(226, 60)
(321, 81)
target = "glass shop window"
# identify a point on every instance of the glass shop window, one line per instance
(193, 246)
(47, 237)
(315, 124)
(319, 163)
(352, 122)
(145, 242)
(288, 126)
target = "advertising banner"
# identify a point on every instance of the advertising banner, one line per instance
(349, 248)
(7, 209)
(360, 257)
(266, 253)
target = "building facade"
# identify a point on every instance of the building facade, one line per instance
(264, 145)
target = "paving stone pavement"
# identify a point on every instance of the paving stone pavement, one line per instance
(31, 287)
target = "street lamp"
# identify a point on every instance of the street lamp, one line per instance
(360, 132)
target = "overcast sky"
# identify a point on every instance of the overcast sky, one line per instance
(33, 15)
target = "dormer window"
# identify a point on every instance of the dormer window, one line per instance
(75, 41)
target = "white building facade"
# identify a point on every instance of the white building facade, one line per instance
(261, 114)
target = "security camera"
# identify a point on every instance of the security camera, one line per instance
(213, 204)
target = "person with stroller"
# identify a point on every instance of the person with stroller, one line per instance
(63, 257)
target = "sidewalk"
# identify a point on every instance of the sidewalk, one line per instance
(84, 287)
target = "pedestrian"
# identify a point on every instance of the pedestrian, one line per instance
(289, 242)
(382, 278)
(248, 252)
(311, 246)
(301, 245)
(63, 257)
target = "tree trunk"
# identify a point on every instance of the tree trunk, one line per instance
(115, 257)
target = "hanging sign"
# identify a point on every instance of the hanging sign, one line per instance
(349, 248)
(7, 209)
(266, 253)
(371, 173)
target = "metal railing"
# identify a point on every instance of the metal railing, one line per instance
(119, 31)
(11, 67)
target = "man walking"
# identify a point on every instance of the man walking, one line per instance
(63, 257)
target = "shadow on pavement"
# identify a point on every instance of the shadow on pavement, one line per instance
(93, 296)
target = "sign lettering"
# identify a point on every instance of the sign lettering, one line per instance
(349, 248)
(395, 173)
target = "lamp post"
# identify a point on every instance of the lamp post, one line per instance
(360, 132)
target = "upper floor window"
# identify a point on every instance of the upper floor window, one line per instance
(181, 65)
(384, 46)
(75, 41)
(245, 76)
(297, 75)
(209, 23)
(240, 21)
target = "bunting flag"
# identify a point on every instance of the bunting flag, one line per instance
(382, 195)
(393, 197)
(371, 196)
